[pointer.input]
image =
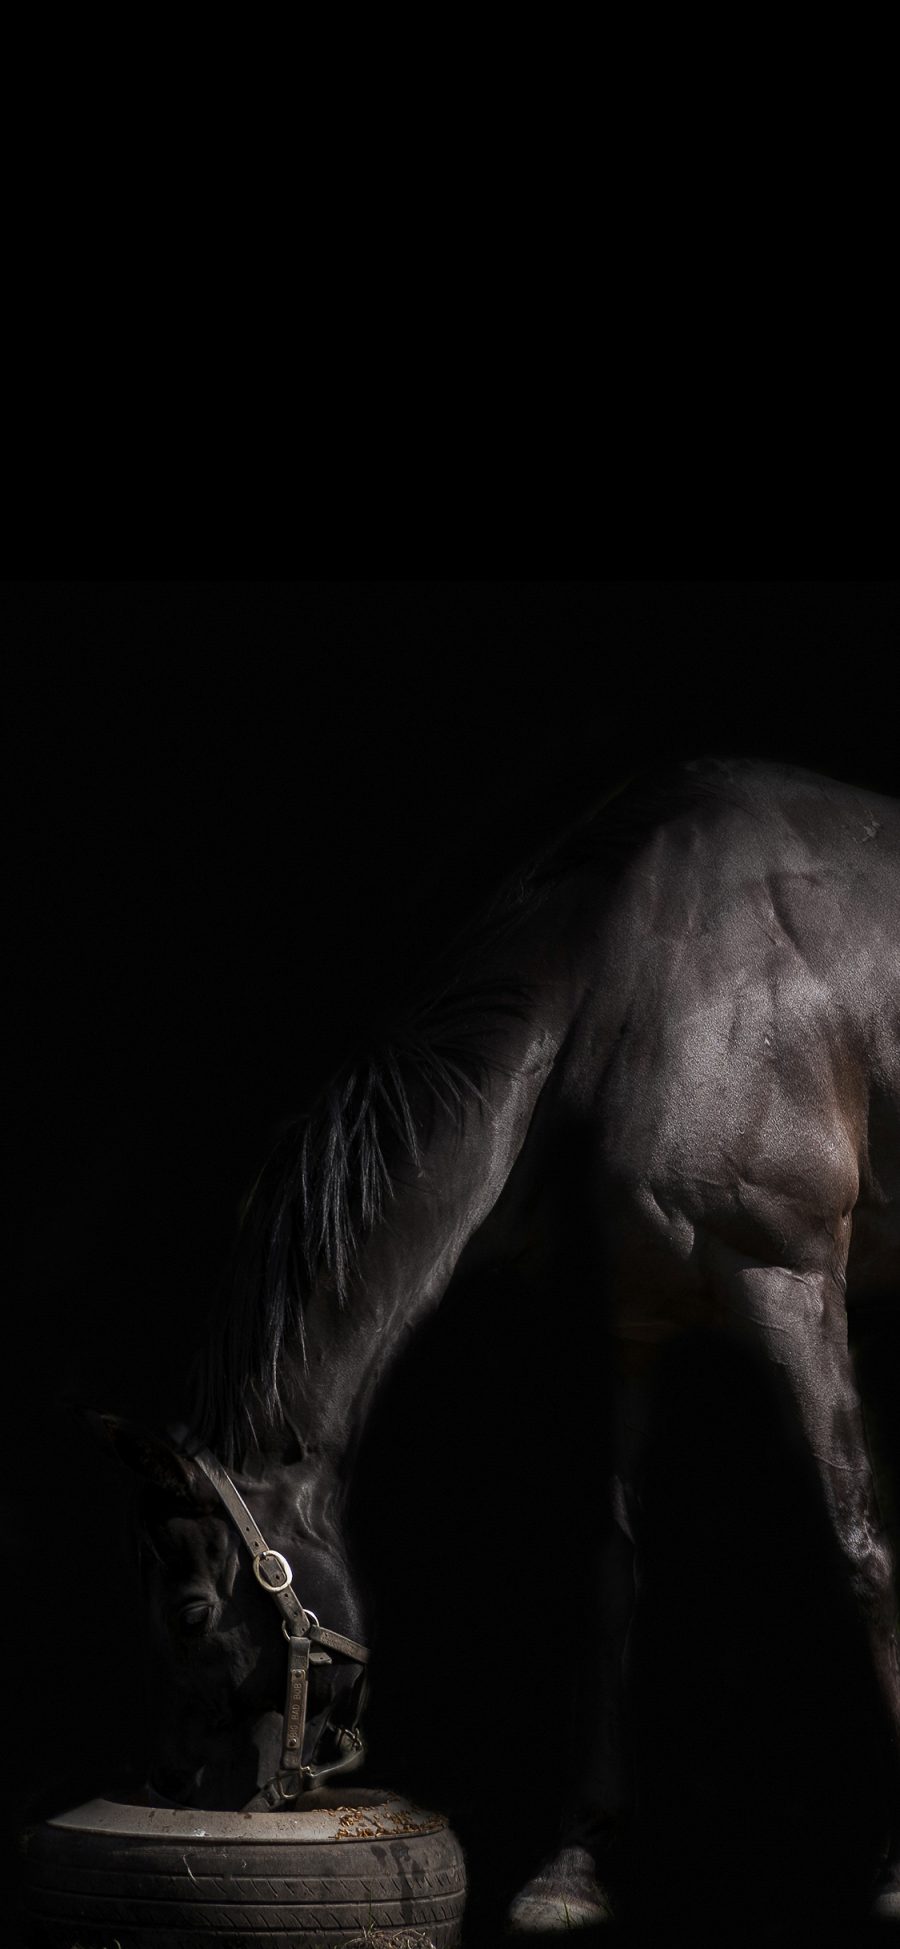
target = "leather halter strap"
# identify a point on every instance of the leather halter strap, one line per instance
(308, 1642)
(302, 1623)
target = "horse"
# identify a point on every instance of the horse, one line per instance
(656, 1087)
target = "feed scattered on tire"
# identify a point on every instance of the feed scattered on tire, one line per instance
(366, 1871)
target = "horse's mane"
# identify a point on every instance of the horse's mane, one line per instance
(328, 1179)
(330, 1174)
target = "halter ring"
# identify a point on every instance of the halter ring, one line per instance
(276, 1556)
(310, 1617)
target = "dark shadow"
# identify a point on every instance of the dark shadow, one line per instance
(757, 1740)
(481, 1480)
(760, 1754)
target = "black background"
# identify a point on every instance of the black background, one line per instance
(242, 815)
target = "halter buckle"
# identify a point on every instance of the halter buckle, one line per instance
(276, 1557)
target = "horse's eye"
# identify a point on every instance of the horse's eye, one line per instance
(192, 1619)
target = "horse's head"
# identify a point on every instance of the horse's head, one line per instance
(213, 1640)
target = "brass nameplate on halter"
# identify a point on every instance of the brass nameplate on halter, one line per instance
(295, 1714)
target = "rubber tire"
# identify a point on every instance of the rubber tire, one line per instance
(94, 1888)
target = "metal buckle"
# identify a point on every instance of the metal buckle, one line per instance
(310, 1617)
(276, 1556)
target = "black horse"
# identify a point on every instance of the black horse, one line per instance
(656, 1089)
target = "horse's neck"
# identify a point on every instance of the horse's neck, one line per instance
(408, 1261)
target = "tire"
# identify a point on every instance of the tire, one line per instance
(365, 1868)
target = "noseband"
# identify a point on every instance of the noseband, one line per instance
(308, 1642)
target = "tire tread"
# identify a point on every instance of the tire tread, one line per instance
(158, 1894)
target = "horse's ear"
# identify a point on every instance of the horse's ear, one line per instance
(157, 1461)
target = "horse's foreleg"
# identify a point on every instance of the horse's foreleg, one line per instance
(799, 1319)
(575, 1887)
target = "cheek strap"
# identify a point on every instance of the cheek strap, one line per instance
(308, 1642)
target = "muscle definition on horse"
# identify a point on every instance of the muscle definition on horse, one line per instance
(696, 997)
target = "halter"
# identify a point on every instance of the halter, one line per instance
(309, 1643)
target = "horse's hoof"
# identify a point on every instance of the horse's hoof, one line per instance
(565, 1894)
(886, 1905)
